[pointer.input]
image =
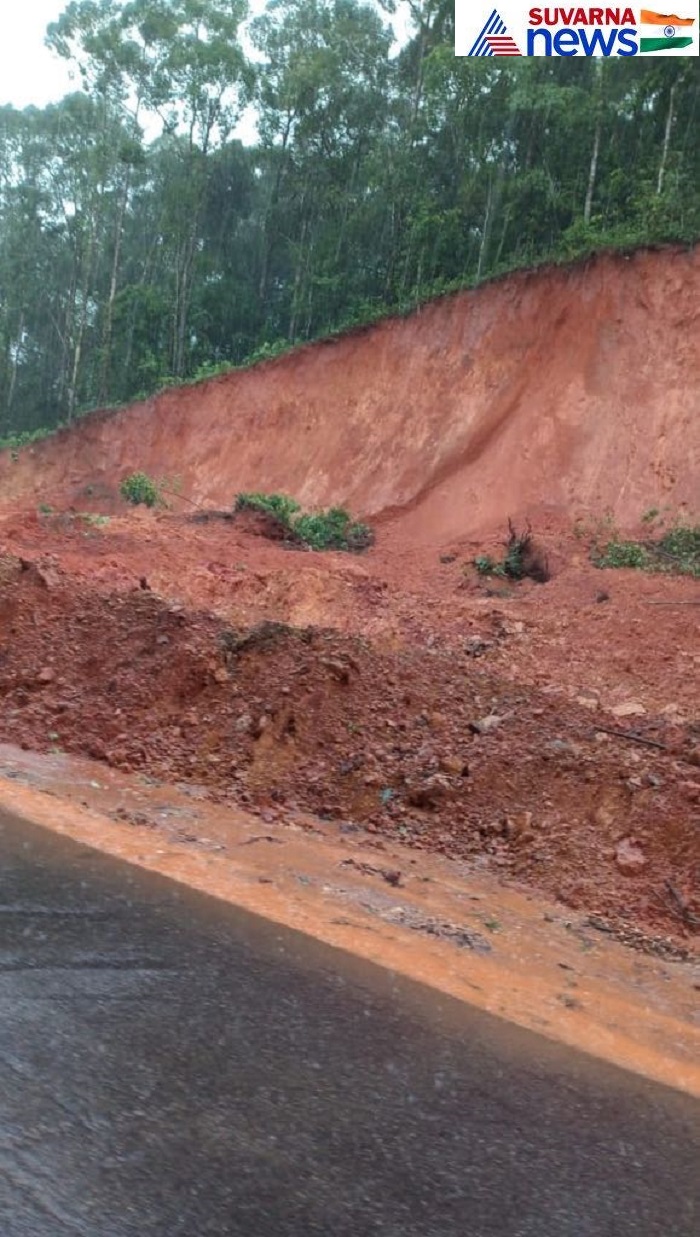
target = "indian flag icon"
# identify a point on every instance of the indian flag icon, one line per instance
(665, 36)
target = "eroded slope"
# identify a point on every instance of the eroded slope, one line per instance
(569, 386)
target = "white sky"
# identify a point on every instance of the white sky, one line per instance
(29, 72)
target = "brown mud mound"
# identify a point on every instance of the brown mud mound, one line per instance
(424, 745)
(562, 387)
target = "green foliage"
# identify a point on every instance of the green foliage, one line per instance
(278, 505)
(677, 552)
(514, 564)
(682, 546)
(141, 490)
(333, 529)
(376, 181)
(622, 554)
(16, 442)
(487, 566)
(521, 559)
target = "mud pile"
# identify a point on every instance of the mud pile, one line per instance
(421, 744)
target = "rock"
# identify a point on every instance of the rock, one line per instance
(602, 596)
(391, 877)
(492, 828)
(437, 720)
(513, 828)
(430, 794)
(47, 675)
(691, 791)
(518, 827)
(49, 578)
(454, 766)
(476, 647)
(630, 857)
(221, 675)
(243, 724)
(337, 668)
(485, 724)
(560, 747)
(603, 817)
(629, 708)
(587, 702)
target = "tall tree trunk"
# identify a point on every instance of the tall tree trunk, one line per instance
(592, 171)
(298, 277)
(105, 360)
(15, 365)
(485, 232)
(670, 117)
(595, 153)
(270, 215)
(81, 323)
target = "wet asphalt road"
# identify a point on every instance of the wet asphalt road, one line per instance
(170, 1065)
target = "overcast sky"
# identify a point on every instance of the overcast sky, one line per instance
(29, 72)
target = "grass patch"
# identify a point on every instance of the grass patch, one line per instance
(675, 552)
(333, 529)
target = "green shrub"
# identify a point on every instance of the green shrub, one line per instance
(522, 559)
(141, 490)
(683, 544)
(278, 505)
(487, 566)
(332, 530)
(323, 530)
(622, 554)
(677, 552)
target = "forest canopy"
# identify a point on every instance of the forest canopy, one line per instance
(223, 185)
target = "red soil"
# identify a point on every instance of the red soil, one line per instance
(546, 396)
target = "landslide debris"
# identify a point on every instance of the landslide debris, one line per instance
(423, 744)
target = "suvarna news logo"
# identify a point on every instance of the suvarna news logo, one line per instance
(513, 29)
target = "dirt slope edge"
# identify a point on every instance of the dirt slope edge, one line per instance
(569, 388)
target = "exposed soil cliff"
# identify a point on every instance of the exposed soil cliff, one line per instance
(567, 388)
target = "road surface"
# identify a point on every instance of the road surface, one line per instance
(170, 1065)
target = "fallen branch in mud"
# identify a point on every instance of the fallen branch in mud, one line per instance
(632, 737)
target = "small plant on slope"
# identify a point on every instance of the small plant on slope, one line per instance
(677, 552)
(279, 505)
(141, 490)
(522, 558)
(332, 530)
(323, 530)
